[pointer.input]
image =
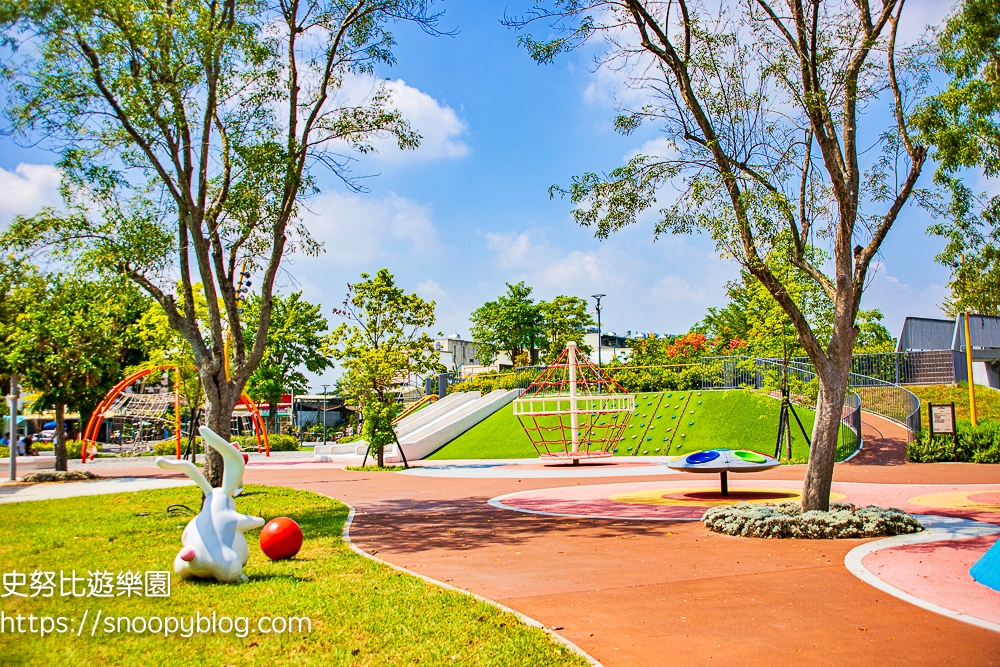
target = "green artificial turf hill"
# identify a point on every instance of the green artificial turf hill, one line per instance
(736, 419)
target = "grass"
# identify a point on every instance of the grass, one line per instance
(499, 436)
(987, 400)
(375, 468)
(735, 419)
(362, 612)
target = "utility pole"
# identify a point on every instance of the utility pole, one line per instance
(12, 401)
(324, 412)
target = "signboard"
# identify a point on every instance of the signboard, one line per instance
(942, 418)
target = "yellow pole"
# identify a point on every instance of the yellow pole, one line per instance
(177, 409)
(968, 365)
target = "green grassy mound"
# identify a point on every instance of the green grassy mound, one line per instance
(361, 612)
(987, 400)
(670, 422)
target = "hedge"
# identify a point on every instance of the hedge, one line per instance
(248, 443)
(277, 441)
(979, 444)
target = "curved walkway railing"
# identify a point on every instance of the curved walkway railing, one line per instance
(877, 396)
(765, 374)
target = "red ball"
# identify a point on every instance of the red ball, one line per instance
(280, 538)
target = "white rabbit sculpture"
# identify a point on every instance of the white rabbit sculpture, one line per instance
(213, 542)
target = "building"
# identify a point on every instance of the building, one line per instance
(932, 351)
(613, 346)
(455, 352)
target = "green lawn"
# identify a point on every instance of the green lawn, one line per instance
(499, 436)
(362, 612)
(736, 419)
(987, 400)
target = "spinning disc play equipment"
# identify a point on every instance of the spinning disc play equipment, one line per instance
(572, 411)
(724, 461)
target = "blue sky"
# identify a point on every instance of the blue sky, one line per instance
(470, 210)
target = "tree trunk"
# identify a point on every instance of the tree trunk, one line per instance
(381, 456)
(826, 433)
(220, 399)
(272, 414)
(60, 439)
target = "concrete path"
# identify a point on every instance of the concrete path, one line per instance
(14, 493)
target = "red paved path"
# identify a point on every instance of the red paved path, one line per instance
(644, 593)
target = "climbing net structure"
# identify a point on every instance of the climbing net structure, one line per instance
(573, 411)
(144, 411)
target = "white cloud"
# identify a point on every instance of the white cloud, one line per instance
(27, 189)
(430, 289)
(438, 124)
(660, 147)
(358, 230)
(663, 287)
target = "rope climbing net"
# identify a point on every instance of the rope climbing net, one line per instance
(573, 411)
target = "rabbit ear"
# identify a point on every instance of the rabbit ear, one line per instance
(189, 468)
(232, 471)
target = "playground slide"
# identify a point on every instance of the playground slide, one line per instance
(434, 411)
(408, 424)
(426, 431)
(435, 434)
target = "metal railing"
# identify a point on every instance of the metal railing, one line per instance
(912, 367)
(877, 396)
(803, 384)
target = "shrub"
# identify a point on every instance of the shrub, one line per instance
(787, 520)
(979, 444)
(278, 442)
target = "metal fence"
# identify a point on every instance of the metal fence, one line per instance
(803, 385)
(915, 367)
(877, 395)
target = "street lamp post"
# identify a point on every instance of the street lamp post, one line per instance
(324, 412)
(598, 297)
(598, 309)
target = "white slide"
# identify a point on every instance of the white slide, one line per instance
(428, 430)
(424, 440)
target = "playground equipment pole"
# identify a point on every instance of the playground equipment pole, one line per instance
(968, 365)
(12, 401)
(574, 418)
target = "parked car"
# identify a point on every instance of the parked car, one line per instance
(48, 435)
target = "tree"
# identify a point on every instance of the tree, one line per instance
(511, 324)
(873, 337)
(66, 342)
(164, 346)
(188, 132)
(563, 319)
(962, 125)
(382, 341)
(762, 106)
(294, 341)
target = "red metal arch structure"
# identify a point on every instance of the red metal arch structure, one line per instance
(97, 417)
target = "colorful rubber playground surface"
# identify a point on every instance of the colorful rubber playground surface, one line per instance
(613, 559)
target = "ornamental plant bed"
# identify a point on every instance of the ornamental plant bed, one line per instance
(787, 520)
(59, 476)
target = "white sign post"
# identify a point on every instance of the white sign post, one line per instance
(12, 401)
(942, 420)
